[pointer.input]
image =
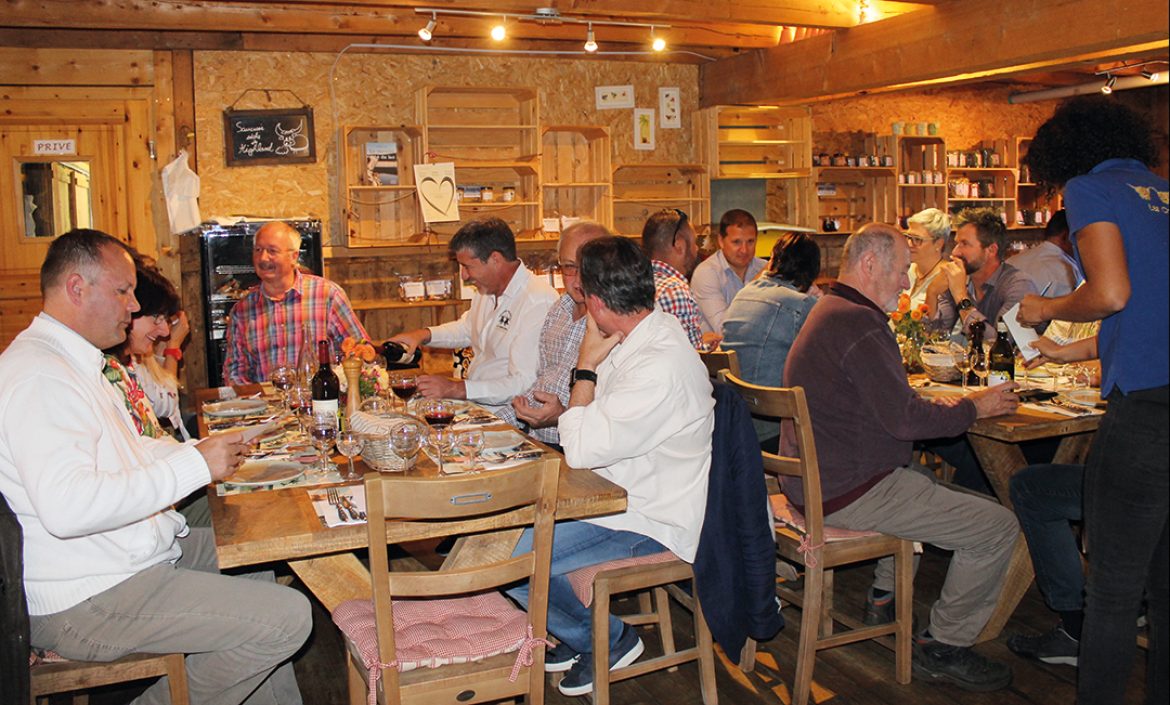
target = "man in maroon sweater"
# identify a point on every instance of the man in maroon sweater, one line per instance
(865, 419)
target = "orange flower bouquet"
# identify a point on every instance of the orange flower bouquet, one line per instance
(374, 380)
(909, 323)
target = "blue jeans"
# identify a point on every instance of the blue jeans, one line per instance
(1127, 498)
(1046, 498)
(577, 544)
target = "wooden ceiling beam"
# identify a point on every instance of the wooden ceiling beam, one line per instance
(807, 13)
(954, 42)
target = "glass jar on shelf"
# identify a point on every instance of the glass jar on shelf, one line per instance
(411, 288)
(437, 287)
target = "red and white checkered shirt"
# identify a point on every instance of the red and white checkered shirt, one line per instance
(265, 334)
(673, 295)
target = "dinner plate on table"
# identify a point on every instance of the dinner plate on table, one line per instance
(235, 407)
(265, 472)
(501, 441)
(1082, 397)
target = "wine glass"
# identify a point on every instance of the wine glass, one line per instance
(299, 399)
(405, 440)
(404, 387)
(443, 441)
(438, 413)
(322, 432)
(470, 445)
(349, 444)
(963, 365)
(283, 378)
(981, 366)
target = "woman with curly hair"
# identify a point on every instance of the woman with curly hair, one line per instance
(1100, 151)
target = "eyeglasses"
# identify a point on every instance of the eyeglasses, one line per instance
(568, 268)
(682, 220)
(160, 318)
(270, 251)
(915, 241)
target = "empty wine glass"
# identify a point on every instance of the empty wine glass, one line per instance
(470, 445)
(981, 366)
(283, 378)
(349, 444)
(405, 440)
(443, 441)
(323, 431)
(963, 365)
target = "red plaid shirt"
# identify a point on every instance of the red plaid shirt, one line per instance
(265, 334)
(673, 295)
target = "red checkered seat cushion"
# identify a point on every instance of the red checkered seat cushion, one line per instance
(582, 579)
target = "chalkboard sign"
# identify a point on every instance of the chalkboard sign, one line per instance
(257, 137)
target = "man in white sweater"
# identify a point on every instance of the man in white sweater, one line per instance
(109, 569)
(641, 415)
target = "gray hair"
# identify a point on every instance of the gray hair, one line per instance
(877, 238)
(936, 222)
(587, 229)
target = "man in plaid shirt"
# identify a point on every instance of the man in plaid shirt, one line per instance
(268, 325)
(669, 241)
(560, 339)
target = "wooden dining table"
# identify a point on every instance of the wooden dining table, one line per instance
(280, 525)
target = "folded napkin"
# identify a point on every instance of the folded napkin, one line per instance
(355, 503)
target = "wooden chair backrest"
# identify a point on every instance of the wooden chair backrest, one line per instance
(720, 359)
(787, 405)
(501, 498)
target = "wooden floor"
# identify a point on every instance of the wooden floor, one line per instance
(855, 674)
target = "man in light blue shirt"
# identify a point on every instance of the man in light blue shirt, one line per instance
(720, 277)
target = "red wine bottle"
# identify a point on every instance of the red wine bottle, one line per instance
(326, 386)
(396, 357)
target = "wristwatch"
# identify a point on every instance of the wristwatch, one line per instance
(966, 304)
(578, 375)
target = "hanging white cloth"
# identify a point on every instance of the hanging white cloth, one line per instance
(181, 188)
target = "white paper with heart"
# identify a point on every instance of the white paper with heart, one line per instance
(436, 192)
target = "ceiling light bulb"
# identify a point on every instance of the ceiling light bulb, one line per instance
(656, 43)
(498, 32)
(590, 41)
(1109, 83)
(427, 32)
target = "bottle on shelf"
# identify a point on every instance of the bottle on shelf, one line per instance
(396, 357)
(326, 386)
(1002, 358)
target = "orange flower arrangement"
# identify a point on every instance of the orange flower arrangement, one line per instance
(910, 329)
(361, 349)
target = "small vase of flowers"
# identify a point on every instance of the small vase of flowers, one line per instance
(910, 330)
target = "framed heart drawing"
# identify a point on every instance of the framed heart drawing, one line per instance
(436, 192)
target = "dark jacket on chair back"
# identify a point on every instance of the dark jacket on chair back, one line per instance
(14, 685)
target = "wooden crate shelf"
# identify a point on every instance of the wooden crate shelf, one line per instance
(640, 190)
(377, 215)
(575, 161)
(755, 142)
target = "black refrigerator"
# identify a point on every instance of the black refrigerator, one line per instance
(226, 274)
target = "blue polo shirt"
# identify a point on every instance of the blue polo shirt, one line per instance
(1134, 343)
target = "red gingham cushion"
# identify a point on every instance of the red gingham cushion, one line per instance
(432, 632)
(788, 515)
(582, 579)
(39, 656)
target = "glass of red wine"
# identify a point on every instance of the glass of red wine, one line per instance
(404, 387)
(438, 413)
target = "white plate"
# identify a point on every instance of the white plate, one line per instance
(1083, 397)
(501, 441)
(235, 407)
(265, 472)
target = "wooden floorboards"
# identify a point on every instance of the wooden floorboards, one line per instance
(858, 674)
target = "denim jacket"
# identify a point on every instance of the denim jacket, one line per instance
(761, 324)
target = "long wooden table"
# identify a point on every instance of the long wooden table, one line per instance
(996, 442)
(281, 525)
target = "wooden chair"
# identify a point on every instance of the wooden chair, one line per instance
(807, 541)
(658, 573)
(52, 676)
(720, 359)
(385, 638)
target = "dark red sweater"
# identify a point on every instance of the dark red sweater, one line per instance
(865, 415)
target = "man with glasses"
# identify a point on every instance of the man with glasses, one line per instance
(269, 324)
(669, 241)
(560, 339)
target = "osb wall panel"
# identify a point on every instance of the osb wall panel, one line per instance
(964, 115)
(379, 89)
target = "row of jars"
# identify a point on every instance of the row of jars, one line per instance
(926, 176)
(979, 159)
(847, 160)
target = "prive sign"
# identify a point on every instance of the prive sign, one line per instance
(42, 147)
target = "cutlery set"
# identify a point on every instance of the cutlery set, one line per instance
(344, 505)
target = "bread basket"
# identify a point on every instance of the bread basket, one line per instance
(938, 359)
(375, 432)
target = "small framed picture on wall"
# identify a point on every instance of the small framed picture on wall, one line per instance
(644, 129)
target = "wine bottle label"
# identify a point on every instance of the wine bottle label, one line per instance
(997, 377)
(325, 406)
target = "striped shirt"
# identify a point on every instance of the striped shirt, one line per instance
(673, 295)
(560, 341)
(265, 334)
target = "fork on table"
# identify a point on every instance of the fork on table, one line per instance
(335, 500)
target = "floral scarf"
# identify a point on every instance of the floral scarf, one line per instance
(145, 422)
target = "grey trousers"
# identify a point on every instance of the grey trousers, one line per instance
(234, 630)
(981, 533)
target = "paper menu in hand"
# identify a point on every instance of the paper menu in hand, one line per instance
(1023, 335)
